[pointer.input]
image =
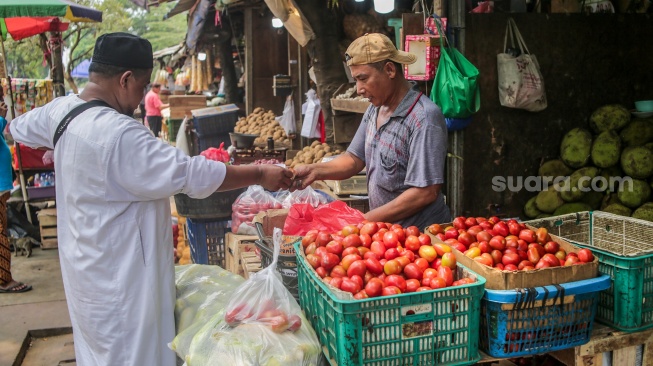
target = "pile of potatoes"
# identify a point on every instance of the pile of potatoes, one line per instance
(262, 123)
(312, 154)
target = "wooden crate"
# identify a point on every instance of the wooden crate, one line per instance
(237, 244)
(182, 105)
(354, 185)
(48, 226)
(619, 347)
(347, 105)
(251, 263)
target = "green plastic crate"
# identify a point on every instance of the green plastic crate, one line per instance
(624, 247)
(438, 327)
(173, 128)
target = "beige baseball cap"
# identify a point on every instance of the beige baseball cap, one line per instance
(375, 47)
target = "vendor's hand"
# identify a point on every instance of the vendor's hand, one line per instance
(304, 176)
(274, 178)
(3, 110)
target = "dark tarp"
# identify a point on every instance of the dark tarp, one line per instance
(196, 24)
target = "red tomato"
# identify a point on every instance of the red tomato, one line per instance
(501, 229)
(542, 236)
(451, 234)
(585, 255)
(484, 247)
(424, 239)
(361, 295)
(336, 282)
(571, 260)
(352, 240)
(401, 234)
(349, 229)
(428, 252)
(362, 251)
(423, 288)
(470, 221)
(334, 247)
(542, 264)
(449, 260)
(366, 240)
(436, 263)
(374, 287)
(396, 280)
(349, 259)
(373, 266)
(412, 230)
(392, 267)
(422, 263)
(499, 266)
(357, 268)
(482, 259)
(498, 242)
(408, 254)
(391, 253)
(510, 267)
(413, 271)
(446, 273)
(350, 286)
(525, 263)
(358, 279)
(369, 228)
(370, 254)
(329, 261)
(440, 248)
(310, 249)
(350, 250)
(390, 290)
(496, 256)
(513, 227)
(438, 282)
(323, 238)
(459, 223)
(338, 271)
(551, 259)
(403, 261)
(320, 251)
(309, 238)
(510, 258)
(390, 239)
(412, 242)
(533, 255)
(466, 239)
(528, 236)
(561, 254)
(483, 236)
(493, 220)
(539, 248)
(313, 260)
(474, 230)
(321, 272)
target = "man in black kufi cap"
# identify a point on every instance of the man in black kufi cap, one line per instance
(114, 182)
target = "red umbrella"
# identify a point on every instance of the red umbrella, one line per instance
(23, 27)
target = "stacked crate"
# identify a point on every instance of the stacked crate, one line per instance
(48, 226)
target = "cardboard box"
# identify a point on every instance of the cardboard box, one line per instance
(354, 185)
(182, 105)
(236, 245)
(427, 49)
(348, 105)
(271, 219)
(508, 280)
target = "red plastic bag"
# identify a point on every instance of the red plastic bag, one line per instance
(217, 154)
(331, 217)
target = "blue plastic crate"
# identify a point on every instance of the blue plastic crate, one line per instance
(207, 240)
(545, 319)
(215, 120)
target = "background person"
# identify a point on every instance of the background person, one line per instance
(153, 107)
(7, 283)
(402, 140)
(114, 182)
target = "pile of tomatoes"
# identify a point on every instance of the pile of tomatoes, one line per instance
(507, 245)
(374, 259)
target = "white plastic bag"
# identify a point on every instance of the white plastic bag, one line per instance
(48, 157)
(288, 116)
(310, 126)
(520, 80)
(306, 195)
(181, 139)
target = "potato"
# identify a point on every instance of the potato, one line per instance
(320, 154)
(288, 162)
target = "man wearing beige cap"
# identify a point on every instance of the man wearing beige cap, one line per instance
(402, 140)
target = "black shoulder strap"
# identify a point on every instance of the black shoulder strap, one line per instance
(63, 125)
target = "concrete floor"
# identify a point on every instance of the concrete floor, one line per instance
(43, 307)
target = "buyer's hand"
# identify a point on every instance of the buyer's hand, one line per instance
(3, 110)
(304, 176)
(274, 178)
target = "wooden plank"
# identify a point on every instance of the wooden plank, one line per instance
(49, 232)
(49, 244)
(647, 354)
(625, 356)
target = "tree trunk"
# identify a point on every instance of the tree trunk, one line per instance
(71, 82)
(325, 55)
(56, 45)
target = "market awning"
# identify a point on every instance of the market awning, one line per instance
(180, 7)
(167, 51)
(81, 70)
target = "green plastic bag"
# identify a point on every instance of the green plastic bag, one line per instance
(455, 88)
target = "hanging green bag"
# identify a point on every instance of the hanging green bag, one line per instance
(455, 88)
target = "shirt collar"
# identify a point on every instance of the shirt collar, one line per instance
(403, 107)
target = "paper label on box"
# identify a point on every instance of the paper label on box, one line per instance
(417, 329)
(417, 309)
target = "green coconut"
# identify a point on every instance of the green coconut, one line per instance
(554, 168)
(636, 195)
(606, 149)
(568, 208)
(617, 209)
(609, 117)
(578, 184)
(530, 209)
(638, 132)
(575, 148)
(593, 199)
(548, 200)
(644, 212)
(609, 199)
(637, 162)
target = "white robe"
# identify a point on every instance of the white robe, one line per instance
(113, 183)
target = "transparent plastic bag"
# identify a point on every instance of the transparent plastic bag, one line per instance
(202, 291)
(307, 195)
(254, 200)
(264, 312)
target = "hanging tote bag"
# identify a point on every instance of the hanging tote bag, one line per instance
(455, 88)
(520, 80)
